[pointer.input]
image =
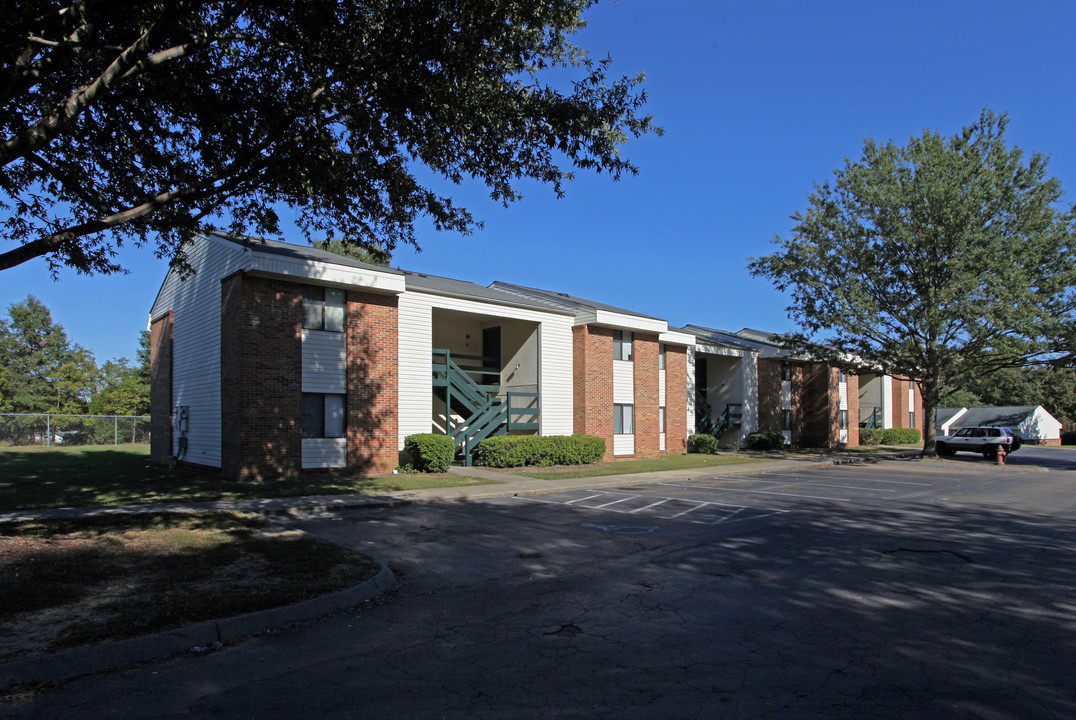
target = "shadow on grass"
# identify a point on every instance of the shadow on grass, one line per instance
(88, 476)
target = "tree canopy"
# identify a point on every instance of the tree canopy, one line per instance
(152, 121)
(940, 260)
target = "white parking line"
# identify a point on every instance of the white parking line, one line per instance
(701, 504)
(629, 497)
(764, 492)
(588, 497)
(806, 477)
(812, 484)
(647, 507)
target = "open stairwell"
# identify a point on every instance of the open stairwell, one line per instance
(476, 411)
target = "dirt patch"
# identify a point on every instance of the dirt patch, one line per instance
(70, 583)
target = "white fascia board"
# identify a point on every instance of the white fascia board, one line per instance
(620, 321)
(325, 274)
(722, 350)
(451, 299)
(675, 337)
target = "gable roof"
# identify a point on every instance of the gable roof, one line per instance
(588, 311)
(1008, 416)
(264, 246)
(438, 285)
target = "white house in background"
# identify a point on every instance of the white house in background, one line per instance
(1031, 422)
(946, 417)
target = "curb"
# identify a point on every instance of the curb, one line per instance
(201, 637)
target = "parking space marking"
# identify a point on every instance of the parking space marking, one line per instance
(700, 512)
(812, 483)
(758, 492)
(807, 478)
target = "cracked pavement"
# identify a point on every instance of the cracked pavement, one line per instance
(889, 591)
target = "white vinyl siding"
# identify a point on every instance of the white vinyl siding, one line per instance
(623, 382)
(661, 388)
(623, 444)
(416, 348)
(324, 362)
(324, 453)
(195, 306)
(887, 401)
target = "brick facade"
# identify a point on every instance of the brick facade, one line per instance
(160, 423)
(261, 378)
(592, 361)
(372, 383)
(769, 395)
(814, 402)
(853, 410)
(647, 424)
(676, 399)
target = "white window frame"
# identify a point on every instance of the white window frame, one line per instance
(623, 415)
(332, 425)
(622, 345)
(323, 308)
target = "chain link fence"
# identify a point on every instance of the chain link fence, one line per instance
(18, 429)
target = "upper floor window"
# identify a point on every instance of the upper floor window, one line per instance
(622, 345)
(842, 375)
(786, 371)
(661, 356)
(323, 309)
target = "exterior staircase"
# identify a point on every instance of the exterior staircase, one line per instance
(484, 413)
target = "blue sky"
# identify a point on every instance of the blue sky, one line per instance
(759, 99)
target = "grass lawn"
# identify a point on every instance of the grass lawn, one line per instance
(74, 582)
(629, 467)
(40, 477)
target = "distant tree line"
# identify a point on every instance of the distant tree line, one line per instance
(42, 371)
(1052, 387)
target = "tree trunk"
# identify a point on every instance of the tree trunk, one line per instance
(930, 390)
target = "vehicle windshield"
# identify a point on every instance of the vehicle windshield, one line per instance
(963, 432)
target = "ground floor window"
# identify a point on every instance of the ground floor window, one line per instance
(623, 419)
(911, 419)
(323, 415)
(661, 419)
(844, 419)
(786, 420)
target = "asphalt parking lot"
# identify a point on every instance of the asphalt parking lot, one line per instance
(894, 590)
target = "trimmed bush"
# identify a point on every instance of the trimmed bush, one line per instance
(702, 443)
(430, 452)
(889, 436)
(538, 450)
(766, 441)
(1068, 437)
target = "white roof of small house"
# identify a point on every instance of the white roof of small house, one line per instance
(1030, 420)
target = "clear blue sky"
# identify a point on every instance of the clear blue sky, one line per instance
(759, 100)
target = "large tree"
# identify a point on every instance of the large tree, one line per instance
(146, 121)
(941, 259)
(40, 369)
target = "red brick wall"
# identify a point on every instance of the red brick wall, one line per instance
(645, 355)
(261, 378)
(592, 361)
(676, 400)
(160, 393)
(818, 403)
(372, 383)
(769, 395)
(900, 402)
(853, 410)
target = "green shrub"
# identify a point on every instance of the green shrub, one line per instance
(889, 436)
(1068, 437)
(702, 443)
(429, 452)
(524, 450)
(766, 441)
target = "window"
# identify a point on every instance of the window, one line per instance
(661, 419)
(623, 419)
(911, 418)
(786, 371)
(661, 357)
(622, 345)
(324, 416)
(323, 309)
(844, 419)
(842, 375)
(786, 420)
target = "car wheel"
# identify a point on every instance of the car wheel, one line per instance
(990, 454)
(943, 450)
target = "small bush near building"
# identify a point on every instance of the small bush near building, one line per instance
(702, 443)
(429, 452)
(766, 441)
(538, 450)
(889, 436)
(1068, 437)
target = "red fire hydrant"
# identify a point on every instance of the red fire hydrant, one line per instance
(1001, 455)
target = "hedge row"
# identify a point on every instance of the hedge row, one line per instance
(766, 441)
(889, 436)
(429, 452)
(523, 450)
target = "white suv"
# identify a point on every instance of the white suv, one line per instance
(985, 440)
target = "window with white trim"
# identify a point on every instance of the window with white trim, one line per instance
(622, 345)
(661, 419)
(623, 419)
(842, 375)
(844, 419)
(324, 415)
(661, 356)
(323, 308)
